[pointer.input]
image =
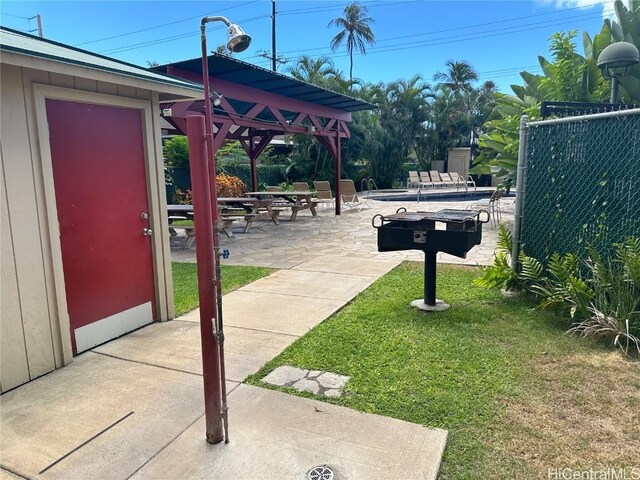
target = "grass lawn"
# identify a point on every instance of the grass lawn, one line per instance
(185, 282)
(517, 395)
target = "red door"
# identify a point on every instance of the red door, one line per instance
(101, 196)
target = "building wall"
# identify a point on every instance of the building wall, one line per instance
(34, 329)
(459, 161)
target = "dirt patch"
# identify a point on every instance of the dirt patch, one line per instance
(583, 411)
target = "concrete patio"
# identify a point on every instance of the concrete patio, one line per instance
(351, 234)
(133, 408)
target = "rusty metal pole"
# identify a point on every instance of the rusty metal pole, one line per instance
(202, 207)
(338, 174)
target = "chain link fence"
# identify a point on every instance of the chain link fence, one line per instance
(582, 183)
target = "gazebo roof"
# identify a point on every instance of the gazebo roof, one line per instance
(247, 74)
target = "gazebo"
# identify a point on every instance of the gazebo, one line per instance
(252, 105)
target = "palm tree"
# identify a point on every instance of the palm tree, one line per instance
(459, 76)
(356, 30)
(316, 71)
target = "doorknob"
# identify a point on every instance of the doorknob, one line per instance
(144, 215)
(147, 232)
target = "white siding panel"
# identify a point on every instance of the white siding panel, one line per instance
(14, 369)
(21, 200)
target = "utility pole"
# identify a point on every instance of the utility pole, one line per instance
(38, 19)
(273, 35)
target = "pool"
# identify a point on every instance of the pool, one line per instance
(406, 196)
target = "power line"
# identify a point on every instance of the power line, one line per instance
(381, 49)
(303, 11)
(160, 26)
(135, 46)
(589, 15)
(444, 40)
(14, 16)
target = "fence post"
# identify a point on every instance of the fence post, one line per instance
(520, 190)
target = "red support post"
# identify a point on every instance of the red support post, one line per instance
(203, 215)
(338, 174)
(253, 160)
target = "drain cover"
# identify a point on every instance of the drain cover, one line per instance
(320, 473)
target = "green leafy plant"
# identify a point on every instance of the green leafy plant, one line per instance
(176, 151)
(600, 292)
(181, 197)
(613, 311)
(500, 274)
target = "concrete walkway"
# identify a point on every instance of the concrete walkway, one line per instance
(134, 408)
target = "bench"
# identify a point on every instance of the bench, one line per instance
(224, 224)
(249, 218)
(173, 218)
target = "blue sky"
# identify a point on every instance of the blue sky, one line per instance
(498, 38)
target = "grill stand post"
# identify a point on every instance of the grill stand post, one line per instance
(430, 303)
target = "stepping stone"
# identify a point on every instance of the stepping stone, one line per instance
(315, 381)
(285, 376)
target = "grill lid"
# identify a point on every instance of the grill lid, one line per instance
(447, 215)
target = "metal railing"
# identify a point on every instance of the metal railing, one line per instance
(368, 185)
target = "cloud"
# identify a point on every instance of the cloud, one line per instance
(606, 6)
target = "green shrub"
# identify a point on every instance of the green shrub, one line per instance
(500, 274)
(176, 151)
(600, 293)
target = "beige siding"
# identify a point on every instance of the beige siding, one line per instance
(34, 330)
(62, 355)
(25, 231)
(14, 369)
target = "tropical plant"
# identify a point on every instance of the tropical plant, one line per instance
(499, 144)
(176, 151)
(569, 77)
(403, 112)
(600, 292)
(181, 197)
(625, 28)
(458, 76)
(500, 273)
(356, 31)
(317, 71)
(229, 186)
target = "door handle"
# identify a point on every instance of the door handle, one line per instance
(147, 232)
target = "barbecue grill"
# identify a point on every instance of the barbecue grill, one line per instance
(417, 231)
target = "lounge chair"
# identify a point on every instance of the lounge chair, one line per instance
(300, 187)
(456, 177)
(435, 178)
(446, 178)
(350, 196)
(425, 180)
(414, 180)
(323, 193)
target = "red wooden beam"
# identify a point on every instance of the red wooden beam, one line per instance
(254, 95)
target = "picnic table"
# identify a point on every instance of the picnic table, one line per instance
(248, 209)
(296, 200)
(253, 208)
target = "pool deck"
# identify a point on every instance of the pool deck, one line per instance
(348, 235)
